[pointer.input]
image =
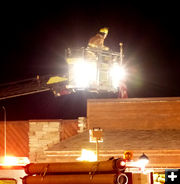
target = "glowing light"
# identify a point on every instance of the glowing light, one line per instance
(9, 160)
(84, 73)
(13, 161)
(118, 73)
(140, 164)
(143, 161)
(87, 155)
(122, 163)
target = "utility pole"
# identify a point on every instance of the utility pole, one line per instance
(96, 136)
(121, 53)
(4, 130)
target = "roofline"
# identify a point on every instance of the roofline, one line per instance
(114, 152)
(154, 99)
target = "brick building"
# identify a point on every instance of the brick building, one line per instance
(150, 126)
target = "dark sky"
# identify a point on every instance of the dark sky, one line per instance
(34, 37)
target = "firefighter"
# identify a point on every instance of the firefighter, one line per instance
(97, 41)
(122, 90)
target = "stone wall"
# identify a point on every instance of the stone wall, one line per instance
(42, 135)
(82, 124)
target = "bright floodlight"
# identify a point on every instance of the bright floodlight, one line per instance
(118, 73)
(84, 73)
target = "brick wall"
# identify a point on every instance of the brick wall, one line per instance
(17, 142)
(139, 114)
(68, 128)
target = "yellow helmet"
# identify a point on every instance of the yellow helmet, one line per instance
(104, 30)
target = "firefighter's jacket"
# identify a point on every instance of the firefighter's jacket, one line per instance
(97, 41)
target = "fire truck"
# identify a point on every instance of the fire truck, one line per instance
(89, 69)
(12, 169)
(121, 170)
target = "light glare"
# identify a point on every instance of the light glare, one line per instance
(118, 74)
(140, 164)
(87, 155)
(9, 160)
(84, 73)
(13, 161)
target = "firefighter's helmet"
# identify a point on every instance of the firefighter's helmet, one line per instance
(104, 30)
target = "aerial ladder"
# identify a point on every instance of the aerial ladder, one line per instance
(89, 69)
(95, 68)
(30, 86)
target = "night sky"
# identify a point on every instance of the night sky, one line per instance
(35, 36)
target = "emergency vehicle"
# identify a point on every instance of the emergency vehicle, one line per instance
(12, 169)
(91, 69)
